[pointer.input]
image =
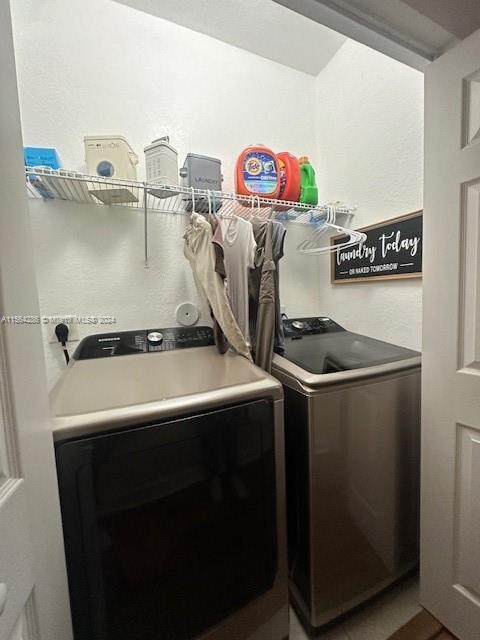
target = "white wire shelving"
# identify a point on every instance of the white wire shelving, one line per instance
(71, 186)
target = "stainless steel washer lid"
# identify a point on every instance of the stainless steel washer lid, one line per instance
(342, 351)
(100, 394)
(321, 360)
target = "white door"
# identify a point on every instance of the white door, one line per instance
(33, 591)
(450, 543)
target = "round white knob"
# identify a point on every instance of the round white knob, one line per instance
(155, 338)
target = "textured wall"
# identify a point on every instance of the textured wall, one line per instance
(115, 70)
(89, 67)
(369, 135)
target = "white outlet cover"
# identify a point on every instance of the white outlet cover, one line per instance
(187, 314)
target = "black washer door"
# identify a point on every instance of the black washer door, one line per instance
(169, 528)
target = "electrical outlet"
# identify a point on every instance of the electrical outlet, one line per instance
(70, 321)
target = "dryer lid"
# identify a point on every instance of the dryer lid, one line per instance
(106, 393)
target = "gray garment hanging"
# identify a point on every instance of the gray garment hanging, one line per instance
(262, 295)
(278, 239)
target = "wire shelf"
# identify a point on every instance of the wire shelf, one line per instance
(50, 184)
(71, 186)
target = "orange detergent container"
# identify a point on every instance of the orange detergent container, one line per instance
(289, 169)
(257, 173)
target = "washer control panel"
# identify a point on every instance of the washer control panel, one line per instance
(297, 327)
(143, 341)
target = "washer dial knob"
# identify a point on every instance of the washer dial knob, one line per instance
(297, 324)
(155, 338)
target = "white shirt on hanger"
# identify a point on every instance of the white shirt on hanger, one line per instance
(239, 248)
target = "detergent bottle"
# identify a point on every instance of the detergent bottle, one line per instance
(257, 173)
(308, 186)
(289, 169)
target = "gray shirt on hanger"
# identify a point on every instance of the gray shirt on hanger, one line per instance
(239, 249)
(277, 241)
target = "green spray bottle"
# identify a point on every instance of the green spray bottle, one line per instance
(308, 186)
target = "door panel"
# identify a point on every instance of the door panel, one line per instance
(4, 463)
(471, 108)
(467, 520)
(16, 561)
(469, 337)
(450, 561)
(32, 567)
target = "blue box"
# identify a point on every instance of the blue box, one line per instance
(41, 157)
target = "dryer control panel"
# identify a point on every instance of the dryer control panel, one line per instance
(296, 327)
(123, 343)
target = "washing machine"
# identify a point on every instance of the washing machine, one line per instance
(352, 420)
(171, 478)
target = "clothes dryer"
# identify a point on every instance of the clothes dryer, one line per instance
(171, 477)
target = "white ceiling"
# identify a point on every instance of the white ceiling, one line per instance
(413, 31)
(262, 27)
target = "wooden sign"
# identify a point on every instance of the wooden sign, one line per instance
(392, 250)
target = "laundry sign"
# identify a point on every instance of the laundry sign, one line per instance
(393, 249)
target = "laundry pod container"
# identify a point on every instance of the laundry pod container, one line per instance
(110, 157)
(257, 173)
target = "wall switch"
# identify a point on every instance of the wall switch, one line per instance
(72, 324)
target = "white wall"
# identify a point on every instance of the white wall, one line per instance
(90, 67)
(96, 67)
(369, 135)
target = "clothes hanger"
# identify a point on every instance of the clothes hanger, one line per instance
(313, 247)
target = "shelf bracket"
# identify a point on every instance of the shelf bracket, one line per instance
(145, 223)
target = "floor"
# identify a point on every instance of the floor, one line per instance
(377, 621)
(423, 627)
